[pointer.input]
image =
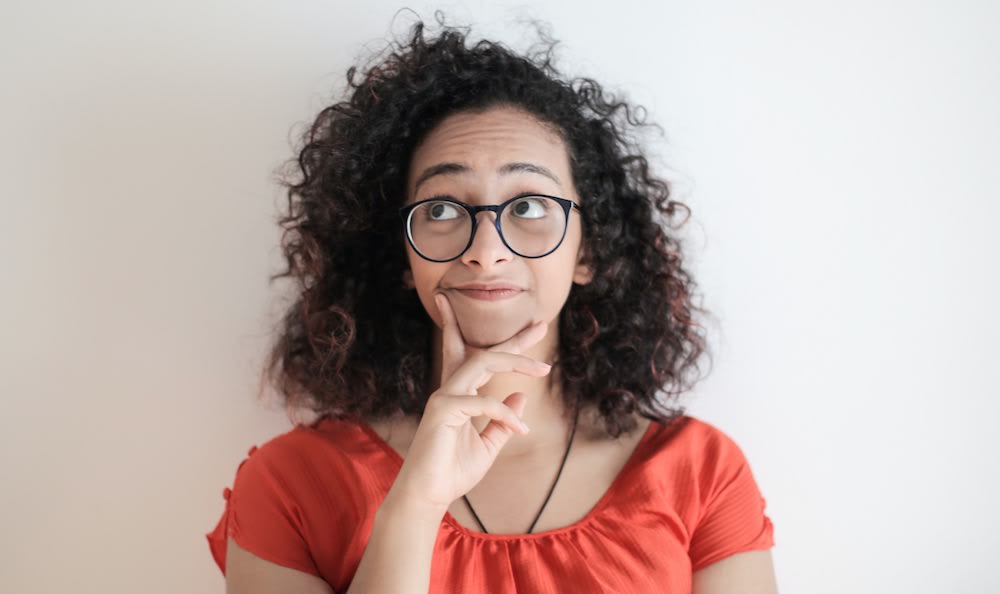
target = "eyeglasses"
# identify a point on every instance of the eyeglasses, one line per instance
(530, 225)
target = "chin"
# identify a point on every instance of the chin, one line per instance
(483, 334)
(484, 338)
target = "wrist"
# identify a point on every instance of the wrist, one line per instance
(399, 506)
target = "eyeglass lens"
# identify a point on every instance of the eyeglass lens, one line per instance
(531, 226)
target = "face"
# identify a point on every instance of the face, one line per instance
(481, 144)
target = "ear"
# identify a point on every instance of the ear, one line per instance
(408, 279)
(583, 273)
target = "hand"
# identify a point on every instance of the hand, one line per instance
(448, 455)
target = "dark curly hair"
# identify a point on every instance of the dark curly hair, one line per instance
(629, 341)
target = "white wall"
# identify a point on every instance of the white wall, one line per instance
(839, 159)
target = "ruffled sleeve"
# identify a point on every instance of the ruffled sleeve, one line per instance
(732, 518)
(261, 516)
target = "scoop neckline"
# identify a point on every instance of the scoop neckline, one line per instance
(587, 519)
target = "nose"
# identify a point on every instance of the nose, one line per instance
(487, 249)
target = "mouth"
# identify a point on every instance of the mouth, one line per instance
(488, 292)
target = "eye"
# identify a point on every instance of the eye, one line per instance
(530, 208)
(441, 211)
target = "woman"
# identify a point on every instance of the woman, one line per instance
(478, 249)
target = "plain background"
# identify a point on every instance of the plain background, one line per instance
(839, 158)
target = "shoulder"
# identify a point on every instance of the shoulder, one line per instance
(324, 436)
(299, 498)
(307, 453)
(702, 440)
(298, 445)
(724, 505)
(693, 459)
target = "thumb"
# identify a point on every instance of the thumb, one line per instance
(452, 343)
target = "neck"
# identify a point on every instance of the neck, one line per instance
(544, 411)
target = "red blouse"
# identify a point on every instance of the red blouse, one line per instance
(685, 499)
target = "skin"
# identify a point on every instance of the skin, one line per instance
(484, 142)
(489, 359)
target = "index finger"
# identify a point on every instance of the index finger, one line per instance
(524, 339)
(452, 343)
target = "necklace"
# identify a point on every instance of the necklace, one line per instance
(551, 489)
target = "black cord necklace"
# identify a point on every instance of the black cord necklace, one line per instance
(551, 489)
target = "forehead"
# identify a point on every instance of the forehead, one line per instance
(484, 142)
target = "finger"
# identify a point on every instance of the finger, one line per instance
(517, 402)
(478, 370)
(457, 410)
(496, 435)
(452, 343)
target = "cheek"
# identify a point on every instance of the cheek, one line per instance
(418, 268)
(426, 296)
(568, 259)
(426, 281)
(556, 280)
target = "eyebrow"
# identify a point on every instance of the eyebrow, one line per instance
(461, 168)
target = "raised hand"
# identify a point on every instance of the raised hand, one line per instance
(448, 455)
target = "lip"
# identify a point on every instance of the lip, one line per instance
(489, 291)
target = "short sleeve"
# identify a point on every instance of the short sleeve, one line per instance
(261, 516)
(733, 518)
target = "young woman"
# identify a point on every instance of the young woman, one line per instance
(491, 320)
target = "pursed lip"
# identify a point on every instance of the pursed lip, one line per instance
(488, 291)
(488, 287)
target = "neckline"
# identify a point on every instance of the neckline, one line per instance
(588, 518)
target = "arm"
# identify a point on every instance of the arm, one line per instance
(247, 573)
(397, 559)
(448, 456)
(398, 555)
(732, 541)
(751, 572)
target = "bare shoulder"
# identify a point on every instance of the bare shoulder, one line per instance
(751, 572)
(247, 573)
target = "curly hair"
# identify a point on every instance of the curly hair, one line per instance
(629, 340)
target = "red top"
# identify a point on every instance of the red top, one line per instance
(684, 499)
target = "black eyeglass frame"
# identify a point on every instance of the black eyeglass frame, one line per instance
(406, 211)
